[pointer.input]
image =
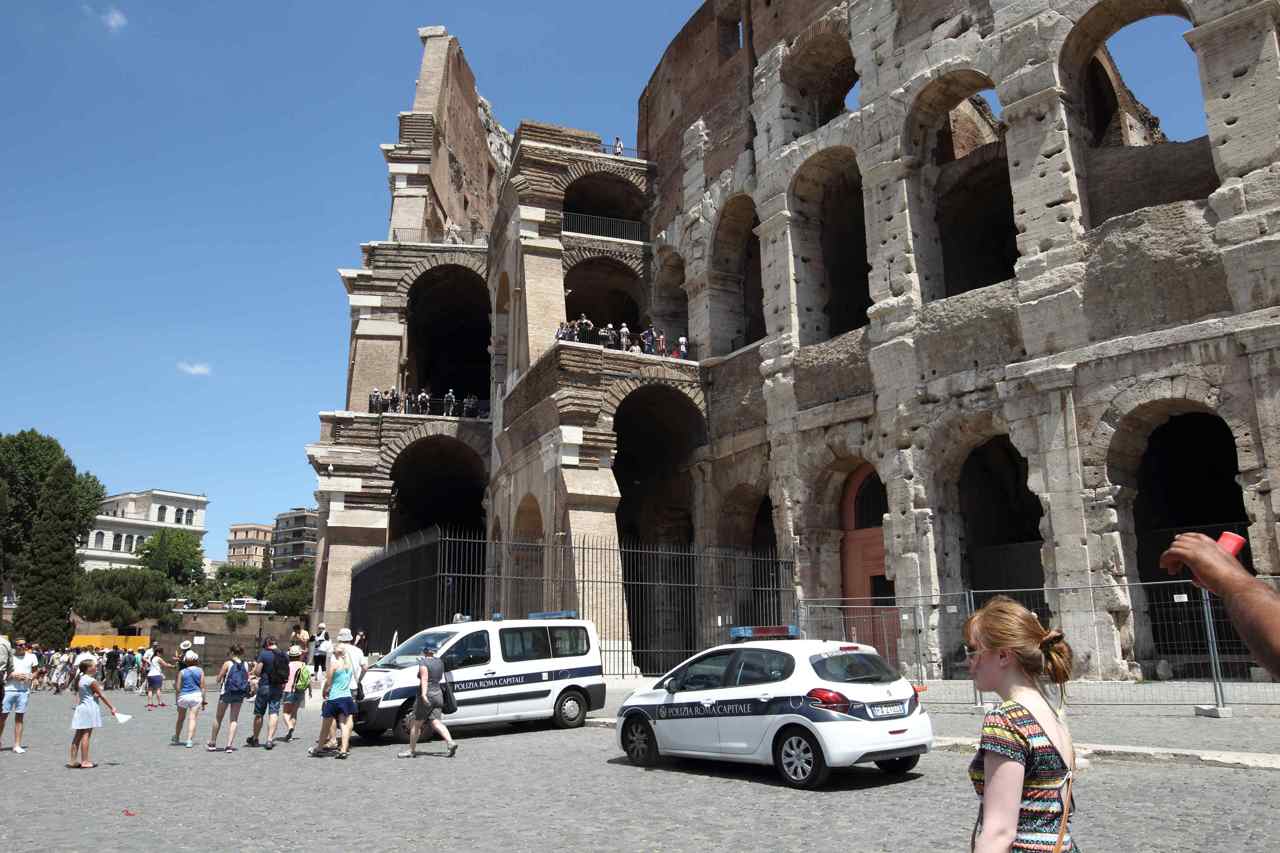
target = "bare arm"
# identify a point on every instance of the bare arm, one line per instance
(1253, 606)
(1001, 800)
(102, 697)
(424, 682)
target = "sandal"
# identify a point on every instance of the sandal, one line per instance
(341, 755)
(73, 766)
(230, 749)
(211, 747)
(87, 766)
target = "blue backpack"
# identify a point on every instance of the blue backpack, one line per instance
(237, 679)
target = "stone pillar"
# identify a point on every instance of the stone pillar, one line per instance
(911, 562)
(715, 311)
(351, 535)
(820, 578)
(782, 314)
(543, 292)
(1263, 349)
(893, 280)
(411, 200)
(375, 359)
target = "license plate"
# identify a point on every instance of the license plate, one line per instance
(889, 709)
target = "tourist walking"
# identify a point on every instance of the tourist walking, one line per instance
(295, 690)
(323, 646)
(428, 707)
(156, 665)
(272, 673)
(339, 709)
(1025, 762)
(233, 688)
(188, 696)
(87, 716)
(17, 690)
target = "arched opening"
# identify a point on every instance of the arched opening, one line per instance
(605, 205)
(818, 77)
(869, 597)
(828, 227)
(1186, 481)
(737, 283)
(527, 579)
(669, 310)
(437, 481)
(606, 292)
(448, 323)
(657, 429)
(1002, 542)
(1124, 158)
(962, 197)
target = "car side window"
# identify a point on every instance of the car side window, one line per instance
(705, 673)
(760, 666)
(569, 642)
(471, 650)
(520, 644)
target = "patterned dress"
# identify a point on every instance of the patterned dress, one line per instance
(1011, 731)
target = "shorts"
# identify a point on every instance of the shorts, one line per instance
(190, 700)
(235, 697)
(332, 708)
(155, 681)
(293, 697)
(268, 699)
(426, 711)
(15, 701)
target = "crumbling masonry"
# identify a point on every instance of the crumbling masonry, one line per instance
(937, 347)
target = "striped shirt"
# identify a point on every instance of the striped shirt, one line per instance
(1011, 731)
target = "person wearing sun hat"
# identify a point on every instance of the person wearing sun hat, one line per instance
(299, 683)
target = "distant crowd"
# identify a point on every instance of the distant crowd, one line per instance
(650, 341)
(419, 402)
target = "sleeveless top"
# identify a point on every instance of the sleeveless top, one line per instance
(84, 691)
(341, 686)
(191, 680)
(1011, 731)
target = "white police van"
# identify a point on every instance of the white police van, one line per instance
(804, 706)
(544, 667)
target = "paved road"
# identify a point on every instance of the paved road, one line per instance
(542, 789)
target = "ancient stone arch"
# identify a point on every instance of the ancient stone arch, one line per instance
(474, 261)
(620, 389)
(579, 253)
(932, 96)
(590, 166)
(475, 438)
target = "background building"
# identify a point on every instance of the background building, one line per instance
(249, 544)
(293, 541)
(126, 520)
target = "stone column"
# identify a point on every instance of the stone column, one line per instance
(821, 583)
(1263, 349)
(715, 311)
(375, 359)
(543, 292)
(782, 313)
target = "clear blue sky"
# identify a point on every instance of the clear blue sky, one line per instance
(181, 181)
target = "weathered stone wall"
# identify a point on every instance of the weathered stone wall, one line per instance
(835, 370)
(735, 401)
(1123, 179)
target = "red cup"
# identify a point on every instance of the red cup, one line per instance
(1232, 543)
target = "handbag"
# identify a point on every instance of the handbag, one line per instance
(450, 704)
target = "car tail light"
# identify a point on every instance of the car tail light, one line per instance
(828, 700)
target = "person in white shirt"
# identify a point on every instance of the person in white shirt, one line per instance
(17, 689)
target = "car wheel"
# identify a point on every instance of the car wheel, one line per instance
(370, 733)
(639, 742)
(797, 755)
(401, 729)
(571, 710)
(898, 766)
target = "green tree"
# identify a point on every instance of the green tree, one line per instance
(240, 582)
(26, 460)
(176, 554)
(290, 593)
(123, 596)
(235, 619)
(48, 586)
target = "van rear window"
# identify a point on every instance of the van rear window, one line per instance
(569, 642)
(524, 644)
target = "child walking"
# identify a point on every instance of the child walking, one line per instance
(188, 689)
(87, 716)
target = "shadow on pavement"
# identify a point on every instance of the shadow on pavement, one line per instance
(842, 779)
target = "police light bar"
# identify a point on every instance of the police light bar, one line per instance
(555, 614)
(497, 617)
(763, 632)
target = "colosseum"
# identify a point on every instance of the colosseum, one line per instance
(937, 343)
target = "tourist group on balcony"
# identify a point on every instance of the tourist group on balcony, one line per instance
(651, 341)
(418, 402)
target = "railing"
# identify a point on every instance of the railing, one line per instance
(623, 151)
(1179, 648)
(673, 348)
(435, 408)
(604, 226)
(652, 605)
(422, 235)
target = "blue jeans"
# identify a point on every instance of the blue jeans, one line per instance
(268, 700)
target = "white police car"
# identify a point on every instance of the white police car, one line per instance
(804, 706)
(501, 671)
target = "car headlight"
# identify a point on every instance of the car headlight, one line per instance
(376, 686)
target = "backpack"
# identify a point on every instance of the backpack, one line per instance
(279, 669)
(303, 681)
(237, 678)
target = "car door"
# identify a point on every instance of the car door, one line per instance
(525, 672)
(469, 664)
(686, 719)
(745, 714)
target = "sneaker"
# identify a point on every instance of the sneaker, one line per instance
(19, 749)
(288, 736)
(407, 754)
(453, 749)
(230, 749)
(188, 744)
(251, 741)
(212, 747)
(269, 745)
(173, 741)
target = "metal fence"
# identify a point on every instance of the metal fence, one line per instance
(604, 226)
(436, 407)
(1163, 643)
(653, 605)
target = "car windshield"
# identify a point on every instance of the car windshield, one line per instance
(408, 652)
(853, 668)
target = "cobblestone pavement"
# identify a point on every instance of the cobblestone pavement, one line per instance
(533, 788)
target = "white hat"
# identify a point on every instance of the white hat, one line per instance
(184, 645)
(190, 657)
(344, 635)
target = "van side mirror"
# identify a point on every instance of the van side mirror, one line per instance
(670, 686)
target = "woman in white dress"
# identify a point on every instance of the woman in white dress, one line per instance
(87, 716)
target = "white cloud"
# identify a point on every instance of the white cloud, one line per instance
(112, 18)
(197, 368)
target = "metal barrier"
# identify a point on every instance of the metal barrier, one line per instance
(1162, 643)
(652, 605)
(604, 226)
(436, 407)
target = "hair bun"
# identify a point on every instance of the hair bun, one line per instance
(1051, 638)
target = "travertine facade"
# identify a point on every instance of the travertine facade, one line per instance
(938, 349)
